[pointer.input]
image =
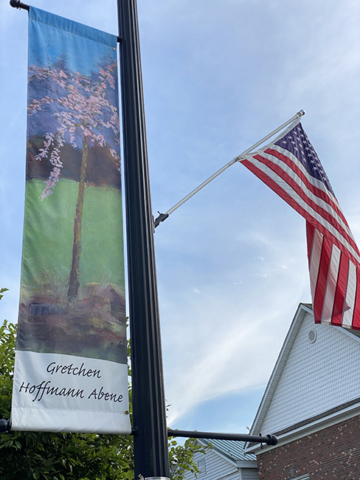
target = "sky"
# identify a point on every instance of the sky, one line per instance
(231, 262)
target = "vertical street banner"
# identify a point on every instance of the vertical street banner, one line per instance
(71, 352)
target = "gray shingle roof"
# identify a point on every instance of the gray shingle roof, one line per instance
(232, 449)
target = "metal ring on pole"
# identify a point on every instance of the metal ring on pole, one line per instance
(157, 478)
(5, 426)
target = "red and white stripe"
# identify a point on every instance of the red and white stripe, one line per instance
(334, 258)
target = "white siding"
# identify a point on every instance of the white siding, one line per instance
(317, 376)
(249, 474)
(216, 467)
(234, 476)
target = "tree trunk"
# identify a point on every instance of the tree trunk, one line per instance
(75, 263)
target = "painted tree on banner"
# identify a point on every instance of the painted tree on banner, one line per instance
(84, 115)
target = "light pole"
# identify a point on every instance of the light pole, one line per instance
(149, 414)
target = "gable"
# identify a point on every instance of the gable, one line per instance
(216, 466)
(310, 377)
(225, 458)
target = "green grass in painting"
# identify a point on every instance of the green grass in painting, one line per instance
(102, 258)
(48, 235)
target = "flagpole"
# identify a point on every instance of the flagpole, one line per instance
(149, 412)
(164, 216)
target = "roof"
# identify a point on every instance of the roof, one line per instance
(231, 449)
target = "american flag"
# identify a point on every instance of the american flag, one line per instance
(291, 167)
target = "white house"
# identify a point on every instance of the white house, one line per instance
(225, 460)
(312, 404)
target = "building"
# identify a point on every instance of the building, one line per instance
(312, 404)
(225, 460)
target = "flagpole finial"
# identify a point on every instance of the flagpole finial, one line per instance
(301, 113)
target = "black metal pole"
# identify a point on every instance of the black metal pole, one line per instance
(149, 413)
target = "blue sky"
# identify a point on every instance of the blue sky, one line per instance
(231, 263)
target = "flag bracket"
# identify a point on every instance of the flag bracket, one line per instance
(20, 5)
(160, 218)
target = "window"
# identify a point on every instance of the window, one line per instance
(201, 466)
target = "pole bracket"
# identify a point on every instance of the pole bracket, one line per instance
(5, 426)
(242, 437)
(160, 218)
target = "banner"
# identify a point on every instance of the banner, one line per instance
(71, 351)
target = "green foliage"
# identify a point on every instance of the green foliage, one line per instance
(70, 456)
(49, 456)
(7, 347)
(2, 290)
(181, 458)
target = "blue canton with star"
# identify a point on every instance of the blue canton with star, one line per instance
(297, 142)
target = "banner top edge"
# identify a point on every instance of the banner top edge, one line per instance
(72, 27)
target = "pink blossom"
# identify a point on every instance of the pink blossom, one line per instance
(85, 105)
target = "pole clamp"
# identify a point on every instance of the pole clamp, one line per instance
(5, 426)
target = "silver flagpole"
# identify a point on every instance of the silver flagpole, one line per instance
(164, 216)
